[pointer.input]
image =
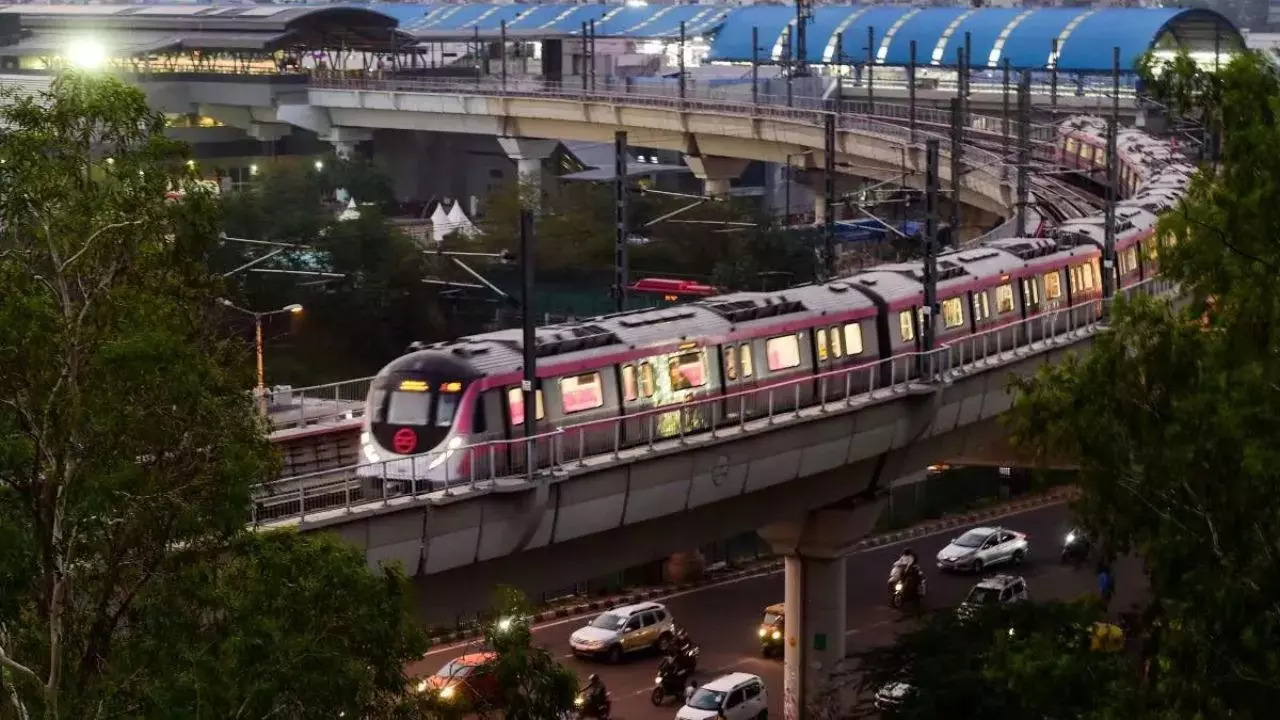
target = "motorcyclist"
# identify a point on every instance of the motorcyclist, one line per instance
(907, 571)
(594, 695)
(682, 650)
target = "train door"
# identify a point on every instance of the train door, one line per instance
(1029, 288)
(516, 452)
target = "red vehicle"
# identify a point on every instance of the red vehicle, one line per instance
(673, 290)
(468, 680)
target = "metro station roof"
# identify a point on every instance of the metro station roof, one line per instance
(1025, 36)
(130, 29)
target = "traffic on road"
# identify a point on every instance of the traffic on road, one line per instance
(730, 621)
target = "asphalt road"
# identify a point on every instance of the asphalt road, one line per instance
(722, 619)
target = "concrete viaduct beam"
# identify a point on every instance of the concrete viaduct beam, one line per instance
(715, 172)
(528, 155)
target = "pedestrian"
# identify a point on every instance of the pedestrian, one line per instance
(1106, 585)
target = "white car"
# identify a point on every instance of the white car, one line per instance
(984, 546)
(625, 630)
(892, 695)
(995, 590)
(736, 696)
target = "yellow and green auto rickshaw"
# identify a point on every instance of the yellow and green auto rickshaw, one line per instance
(1106, 637)
(771, 630)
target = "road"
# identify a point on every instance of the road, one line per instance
(722, 619)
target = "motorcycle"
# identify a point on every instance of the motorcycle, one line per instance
(1075, 548)
(898, 591)
(672, 680)
(599, 710)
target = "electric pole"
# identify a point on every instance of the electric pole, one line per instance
(620, 270)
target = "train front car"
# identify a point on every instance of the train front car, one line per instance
(417, 419)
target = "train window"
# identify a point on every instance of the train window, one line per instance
(446, 408)
(688, 370)
(853, 339)
(1030, 292)
(479, 422)
(730, 362)
(952, 313)
(744, 356)
(581, 392)
(646, 379)
(629, 382)
(820, 337)
(1152, 253)
(1052, 285)
(837, 347)
(409, 408)
(1128, 260)
(515, 405)
(981, 308)
(905, 326)
(782, 352)
(1004, 298)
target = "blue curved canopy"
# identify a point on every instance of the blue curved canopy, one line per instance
(1085, 37)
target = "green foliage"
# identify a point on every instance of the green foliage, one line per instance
(1026, 660)
(129, 449)
(535, 686)
(1173, 424)
(353, 325)
(1180, 84)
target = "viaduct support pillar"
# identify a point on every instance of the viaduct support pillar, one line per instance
(529, 155)
(715, 172)
(344, 141)
(814, 550)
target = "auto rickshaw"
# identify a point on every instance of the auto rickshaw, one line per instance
(1106, 637)
(771, 630)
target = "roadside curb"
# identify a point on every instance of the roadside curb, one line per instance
(769, 565)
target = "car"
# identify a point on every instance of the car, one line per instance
(892, 695)
(995, 590)
(467, 680)
(984, 546)
(736, 696)
(624, 630)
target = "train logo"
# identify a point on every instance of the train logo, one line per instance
(405, 441)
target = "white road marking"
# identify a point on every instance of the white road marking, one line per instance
(723, 583)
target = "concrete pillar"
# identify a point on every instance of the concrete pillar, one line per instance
(529, 155)
(344, 141)
(814, 550)
(819, 208)
(715, 172)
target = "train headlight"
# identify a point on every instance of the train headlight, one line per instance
(439, 459)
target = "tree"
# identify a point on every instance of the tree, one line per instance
(129, 450)
(1026, 660)
(1172, 415)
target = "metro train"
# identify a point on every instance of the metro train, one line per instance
(450, 410)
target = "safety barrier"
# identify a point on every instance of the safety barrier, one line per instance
(298, 407)
(699, 420)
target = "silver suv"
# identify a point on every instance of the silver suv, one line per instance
(625, 630)
(995, 590)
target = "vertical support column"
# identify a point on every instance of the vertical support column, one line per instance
(502, 32)
(681, 60)
(968, 74)
(528, 386)
(801, 58)
(787, 62)
(815, 599)
(755, 66)
(586, 52)
(1053, 79)
(1109, 228)
(620, 269)
(529, 155)
(1024, 151)
(840, 73)
(871, 69)
(957, 166)
(591, 28)
(930, 273)
(829, 196)
(911, 92)
(1004, 124)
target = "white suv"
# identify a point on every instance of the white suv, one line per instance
(995, 590)
(736, 696)
(624, 630)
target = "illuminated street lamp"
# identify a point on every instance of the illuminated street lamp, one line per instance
(292, 309)
(86, 54)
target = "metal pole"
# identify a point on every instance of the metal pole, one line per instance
(911, 92)
(829, 182)
(968, 73)
(530, 342)
(871, 71)
(755, 65)
(801, 56)
(681, 60)
(620, 269)
(479, 55)
(591, 26)
(840, 72)
(1053, 79)
(1024, 151)
(1109, 237)
(262, 375)
(502, 30)
(957, 161)
(931, 182)
(787, 58)
(1004, 115)
(786, 214)
(585, 53)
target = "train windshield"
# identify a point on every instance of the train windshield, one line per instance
(446, 408)
(409, 408)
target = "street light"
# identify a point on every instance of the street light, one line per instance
(293, 309)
